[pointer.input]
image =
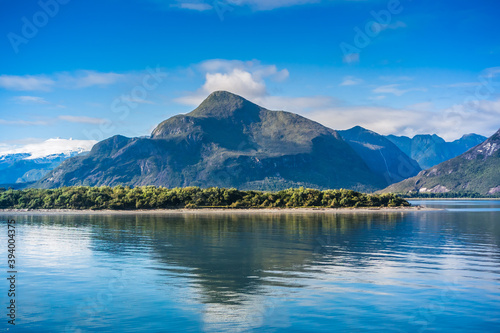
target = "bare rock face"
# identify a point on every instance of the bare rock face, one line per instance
(435, 189)
(494, 190)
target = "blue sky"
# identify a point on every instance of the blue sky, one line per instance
(93, 69)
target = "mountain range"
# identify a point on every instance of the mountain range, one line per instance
(229, 141)
(30, 163)
(429, 150)
(476, 170)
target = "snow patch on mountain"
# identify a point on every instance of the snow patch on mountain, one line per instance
(50, 147)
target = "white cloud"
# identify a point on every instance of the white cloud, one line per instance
(86, 78)
(73, 80)
(392, 78)
(35, 100)
(258, 70)
(247, 79)
(458, 85)
(394, 89)
(350, 81)
(238, 81)
(272, 72)
(271, 4)
(23, 122)
(135, 100)
(424, 106)
(30, 100)
(82, 119)
(257, 5)
(377, 98)
(222, 65)
(26, 82)
(194, 6)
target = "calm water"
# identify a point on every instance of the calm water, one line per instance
(436, 271)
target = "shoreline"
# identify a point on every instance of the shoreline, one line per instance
(451, 199)
(217, 211)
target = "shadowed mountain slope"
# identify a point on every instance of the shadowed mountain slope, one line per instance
(380, 154)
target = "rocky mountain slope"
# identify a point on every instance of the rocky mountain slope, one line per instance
(227, 142)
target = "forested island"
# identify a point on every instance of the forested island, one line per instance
(152, 197)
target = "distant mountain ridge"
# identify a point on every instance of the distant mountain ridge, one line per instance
(476, 170)
(380, 154)
(429, 150)
(227, 142)
(33, 161)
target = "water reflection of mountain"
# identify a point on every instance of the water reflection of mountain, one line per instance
(239, 272)
(225, 256)
(229, 255)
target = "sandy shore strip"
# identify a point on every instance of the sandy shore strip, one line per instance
(451, 199)
(217, 211)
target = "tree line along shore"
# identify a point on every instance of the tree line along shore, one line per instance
(152, 197)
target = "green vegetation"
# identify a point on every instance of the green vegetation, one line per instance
(151, 197)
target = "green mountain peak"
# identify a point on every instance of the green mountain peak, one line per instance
(227, 141)
(223, 104)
